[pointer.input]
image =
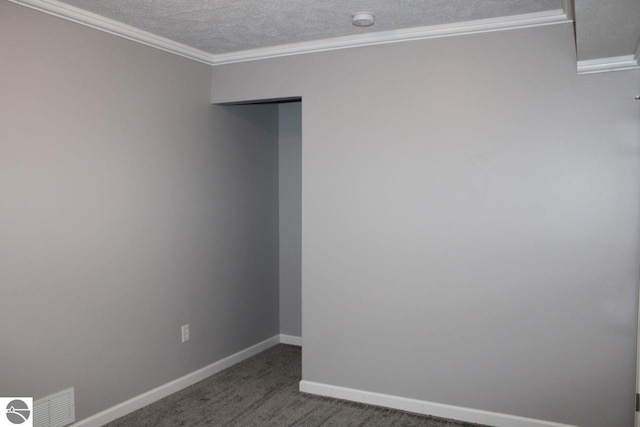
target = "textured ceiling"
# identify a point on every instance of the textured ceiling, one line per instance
(607, 28)
(224, 26)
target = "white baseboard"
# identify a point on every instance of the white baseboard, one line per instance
(291, 340)
(424, 407)
(144, 399)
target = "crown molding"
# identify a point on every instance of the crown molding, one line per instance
(605, 65)
(569, 9)
(77, 15)
(89, 19)
(408, 34)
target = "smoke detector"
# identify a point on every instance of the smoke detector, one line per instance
(363, 19)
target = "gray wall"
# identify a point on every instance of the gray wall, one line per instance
(290, 200)
(469, 221)
(129, 206)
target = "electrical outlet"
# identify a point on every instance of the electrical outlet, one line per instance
(185, 333)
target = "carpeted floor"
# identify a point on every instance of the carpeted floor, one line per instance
(263, 391)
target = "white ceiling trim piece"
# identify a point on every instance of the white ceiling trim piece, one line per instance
(80, 16)
(605, 65)
(569, 9)
(418, 33)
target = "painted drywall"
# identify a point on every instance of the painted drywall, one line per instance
(470, 221)
(290, 202)
(130, 206)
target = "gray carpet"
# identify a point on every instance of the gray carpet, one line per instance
(263, 391)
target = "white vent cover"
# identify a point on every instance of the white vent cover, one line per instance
(57, 410)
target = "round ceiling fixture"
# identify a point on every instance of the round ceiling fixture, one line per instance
(363, 19)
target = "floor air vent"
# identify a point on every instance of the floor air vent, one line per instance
(57, 410)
